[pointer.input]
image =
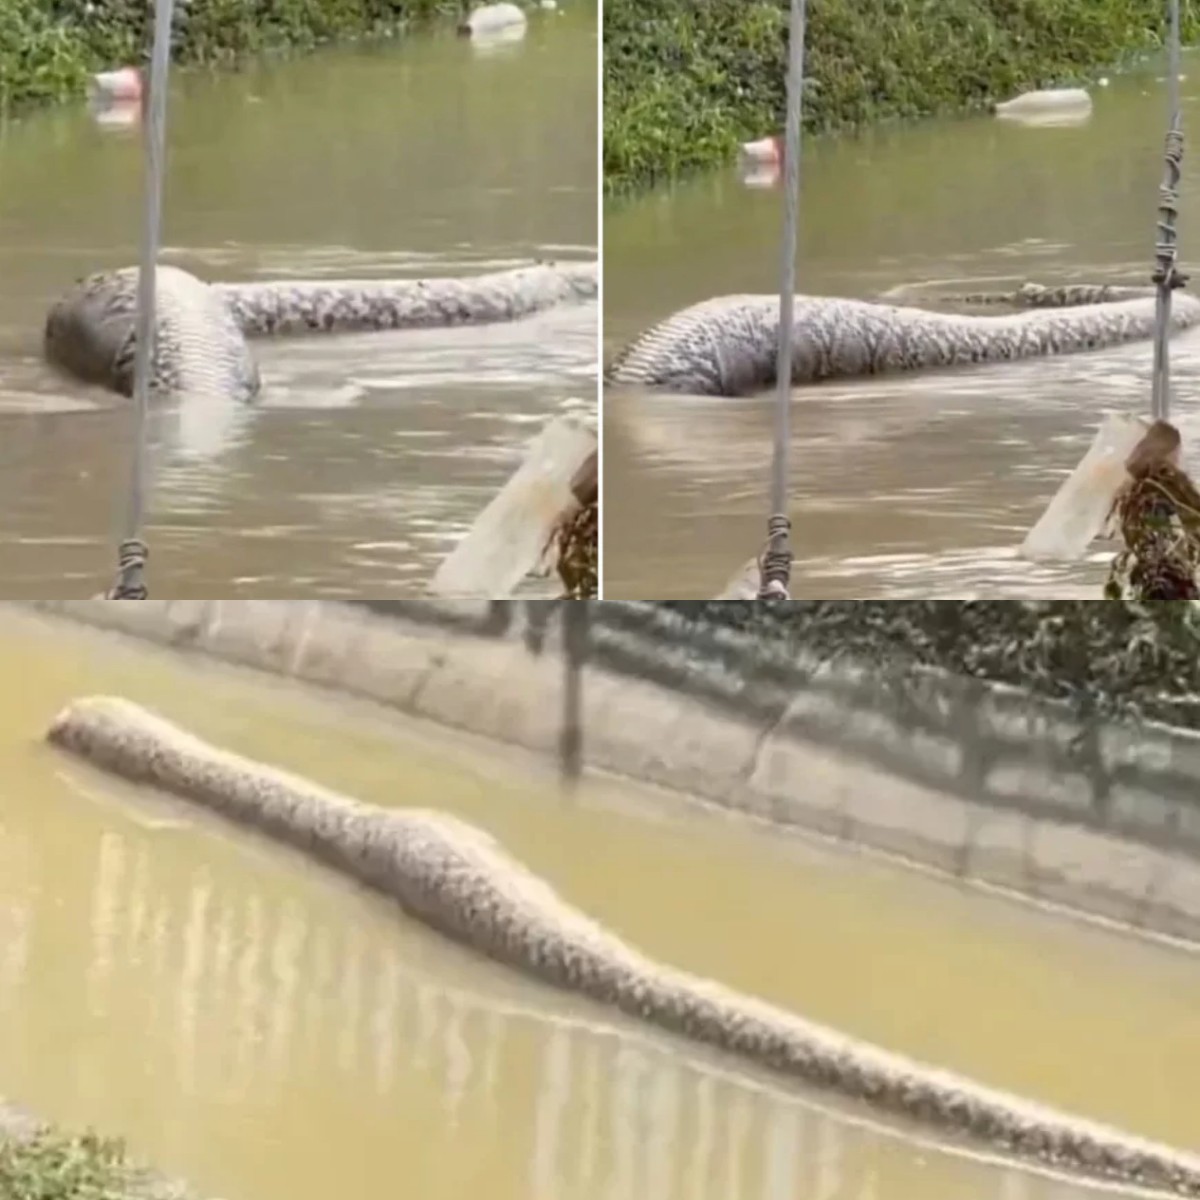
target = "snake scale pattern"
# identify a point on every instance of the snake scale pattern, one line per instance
(727, 346)
(201, 329)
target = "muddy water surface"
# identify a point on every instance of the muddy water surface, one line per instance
(367, 455)
(254, 1025)
(911, 487)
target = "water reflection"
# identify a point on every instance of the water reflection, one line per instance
(203, 996)
(497, 41)
(760, 175)
(116, 116)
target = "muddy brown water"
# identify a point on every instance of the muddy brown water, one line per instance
(254, 1025)
(367, 455)
(919, 486)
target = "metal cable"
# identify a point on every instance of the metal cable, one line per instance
(776, 561)
(1166, 275)
(132, 553)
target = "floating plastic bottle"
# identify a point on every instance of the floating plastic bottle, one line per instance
(121, 86)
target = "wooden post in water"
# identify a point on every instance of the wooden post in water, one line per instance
(509, 538)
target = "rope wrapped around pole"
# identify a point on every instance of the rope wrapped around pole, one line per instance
(775, 564)
(133, 551)
(1167, 276)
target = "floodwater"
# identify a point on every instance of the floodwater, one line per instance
(368, 455)
(260, 1028)
(908, 487)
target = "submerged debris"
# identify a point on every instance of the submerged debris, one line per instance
(1045, 100)
(493, 19)
(577, 562)
(578, 537)
(1158, 514)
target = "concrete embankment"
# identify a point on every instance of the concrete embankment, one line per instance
(981, 781)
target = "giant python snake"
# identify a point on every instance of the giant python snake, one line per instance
(200, 346)
(457, 879)
(727, 346)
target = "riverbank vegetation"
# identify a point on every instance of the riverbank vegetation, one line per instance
(48, 48)
(685, 82)
(56, 1166)
(1111, 658)
(579, 554)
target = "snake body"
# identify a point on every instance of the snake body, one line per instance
(458, 880)
(201, 328)
(727, 346)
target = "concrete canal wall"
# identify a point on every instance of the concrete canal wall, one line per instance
(978, 780)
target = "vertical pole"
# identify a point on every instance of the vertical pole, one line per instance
(133, 551)
(776, 564)
(1166, 277)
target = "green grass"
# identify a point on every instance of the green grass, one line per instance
(48, 48)
(686, 80)
(55, 1166)
(1113, 658)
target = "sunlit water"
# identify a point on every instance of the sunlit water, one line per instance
(253, 1024)
(917, 486)
(367, 455)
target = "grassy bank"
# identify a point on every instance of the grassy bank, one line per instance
(686, 80)
(1109, 658)
(54, 1166)
(48, 48)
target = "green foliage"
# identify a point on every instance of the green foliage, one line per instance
(686, 80)
(1158, 513)
(1138, 660)
(39, 56)
(48, 48)
(54, 1166)
(579, 553)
